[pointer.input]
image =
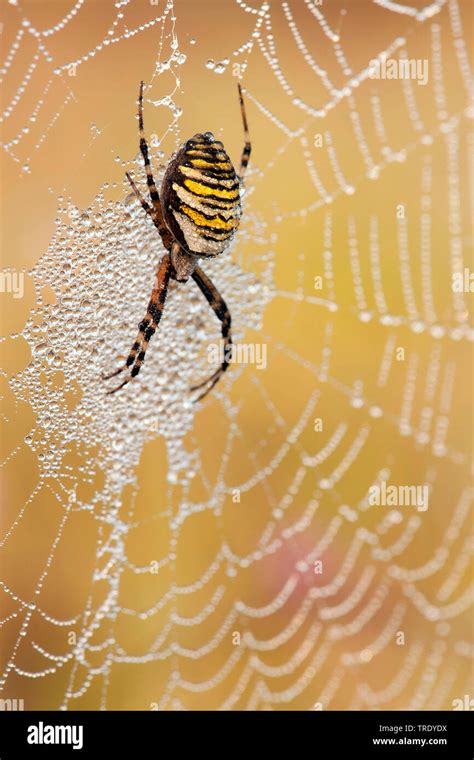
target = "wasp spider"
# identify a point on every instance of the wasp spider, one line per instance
(196, 213)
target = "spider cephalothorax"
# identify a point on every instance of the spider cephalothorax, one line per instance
(196, 213)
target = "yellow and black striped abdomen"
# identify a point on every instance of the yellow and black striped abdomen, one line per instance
(200, 196)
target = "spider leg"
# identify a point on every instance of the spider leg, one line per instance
(219, 306)
(247, 147)
(146, 206)
(157, 213)
(147, 326)
(149, 210)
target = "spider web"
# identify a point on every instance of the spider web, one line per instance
(168, 556)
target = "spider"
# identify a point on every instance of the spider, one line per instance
(196, 214)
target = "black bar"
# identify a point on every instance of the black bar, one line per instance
(313, 734)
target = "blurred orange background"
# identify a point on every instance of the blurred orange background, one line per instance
(270, 632)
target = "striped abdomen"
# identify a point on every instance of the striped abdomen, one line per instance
(200, 196)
